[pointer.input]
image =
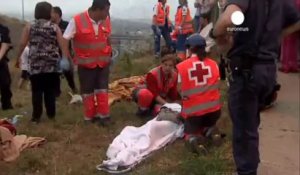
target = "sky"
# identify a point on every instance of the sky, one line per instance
(123, 9)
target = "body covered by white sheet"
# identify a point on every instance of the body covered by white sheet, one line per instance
(135, 143)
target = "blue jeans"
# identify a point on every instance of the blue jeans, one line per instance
(197, 24)
(247, 94)
(165, 32)
(181, 39)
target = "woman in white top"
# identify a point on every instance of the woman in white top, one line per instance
(24, 67)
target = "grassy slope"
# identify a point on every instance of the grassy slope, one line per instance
(76, 148)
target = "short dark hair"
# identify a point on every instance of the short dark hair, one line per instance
(57, 10)
(100, 4)
(43, 10)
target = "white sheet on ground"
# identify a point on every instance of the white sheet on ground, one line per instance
(135, 143)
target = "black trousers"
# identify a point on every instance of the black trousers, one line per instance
(5, 82)
(192, 124)
(247, 95)
(43, 86)
(69, 75)
(93, 79)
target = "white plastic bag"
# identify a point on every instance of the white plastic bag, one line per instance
(64, 64)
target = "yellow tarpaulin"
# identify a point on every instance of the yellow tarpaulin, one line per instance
(122, 89)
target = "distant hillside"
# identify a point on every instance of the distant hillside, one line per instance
(120, 27)
(15, 26)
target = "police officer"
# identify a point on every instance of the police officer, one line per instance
(252, 62)
(5, 79)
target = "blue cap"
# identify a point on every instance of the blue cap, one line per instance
(195, 40)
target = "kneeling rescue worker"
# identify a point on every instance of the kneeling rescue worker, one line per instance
(198, 85)
(159, 88)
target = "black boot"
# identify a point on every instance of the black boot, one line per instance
(105, 122)
(35, 120)
(7, 107)
(196, 144)
(143, 113)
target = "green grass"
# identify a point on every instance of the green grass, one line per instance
(75, 148)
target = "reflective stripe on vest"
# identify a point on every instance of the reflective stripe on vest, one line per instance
(92, 60)
(187, 26)
(198, 90)
(158, 74)
(93, 46)
(84, 96)
(85, 24)
(91, 50)
(83, 21)
(100, 91)
(201, 107)
(160, 84)
(199, 99)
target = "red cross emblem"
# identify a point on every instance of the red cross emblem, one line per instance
(199, 73)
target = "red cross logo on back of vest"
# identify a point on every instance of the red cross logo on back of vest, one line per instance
(199, 73)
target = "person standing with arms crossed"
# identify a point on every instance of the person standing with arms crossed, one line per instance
(252, 62)
(90, 32)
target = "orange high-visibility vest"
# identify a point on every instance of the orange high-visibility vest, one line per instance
(199, 87)
(108, 24)
(174, 36)
(187, 26)
(160, 18)
(91, 50)
(164, 87)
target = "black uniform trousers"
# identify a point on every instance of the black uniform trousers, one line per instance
(5, 82)
(69, 75)
(247, 94)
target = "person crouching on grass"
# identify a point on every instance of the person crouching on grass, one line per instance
(42, 37)
(159, 88)
(198, 85)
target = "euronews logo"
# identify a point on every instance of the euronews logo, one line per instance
(237, 18)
